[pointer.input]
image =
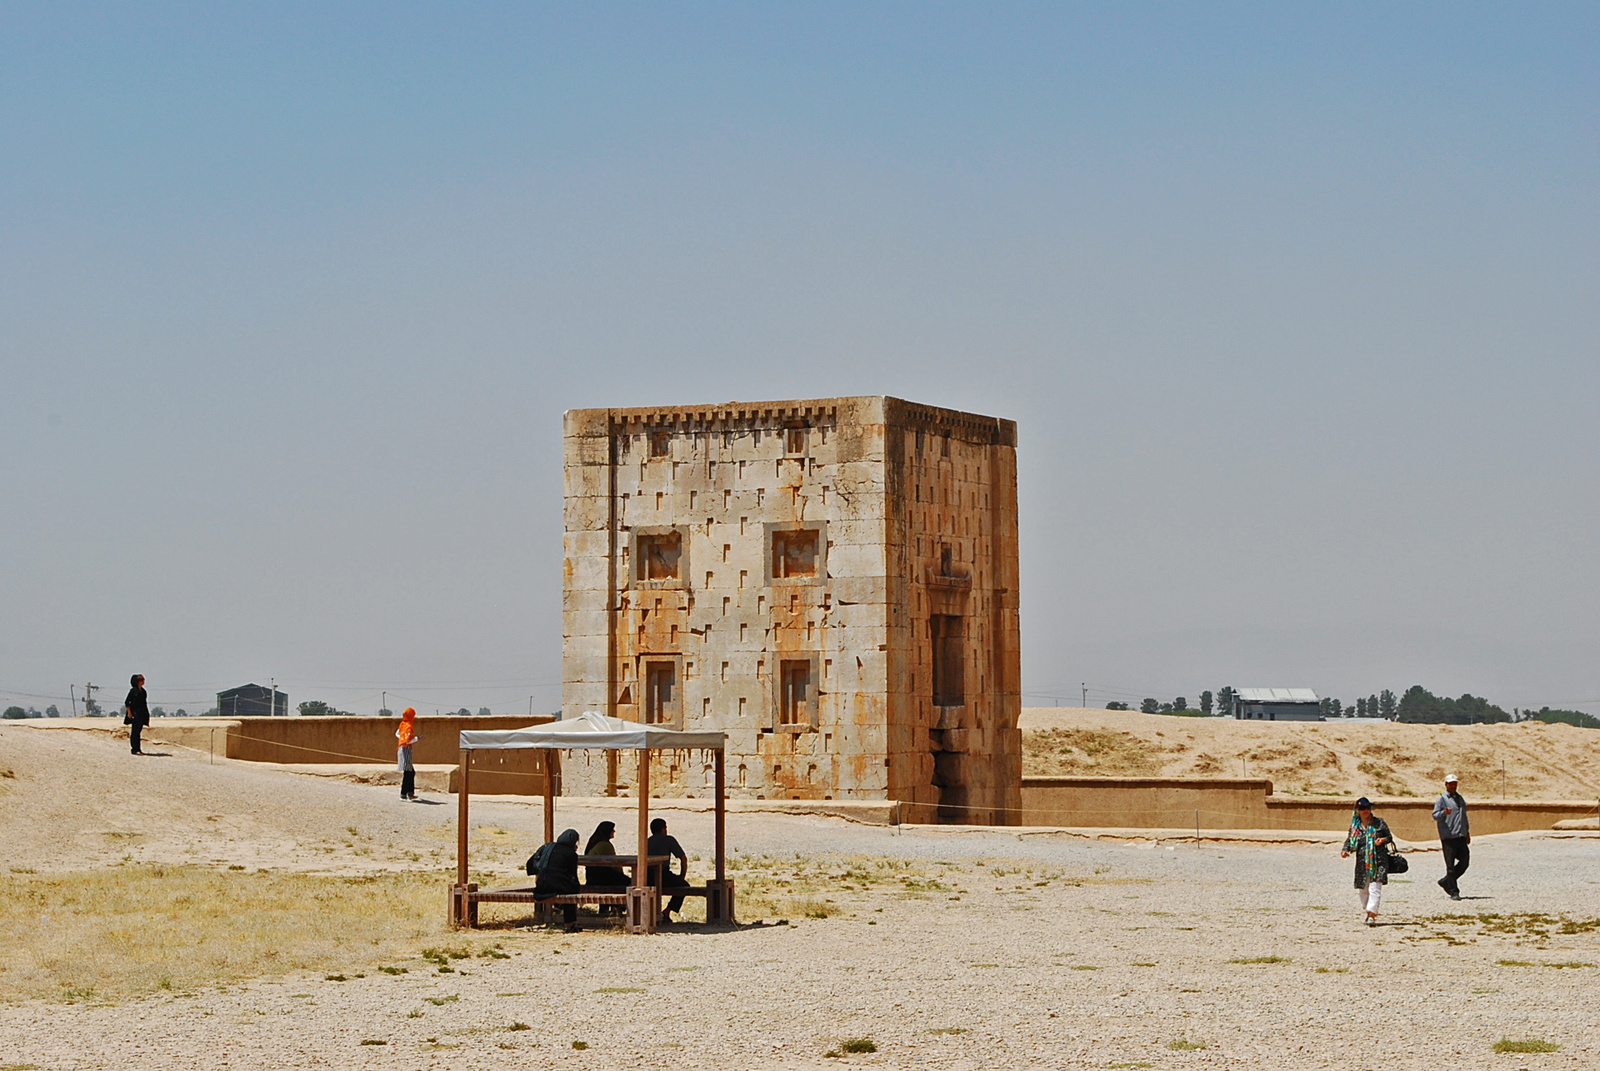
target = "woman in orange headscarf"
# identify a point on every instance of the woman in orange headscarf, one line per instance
(407, 735)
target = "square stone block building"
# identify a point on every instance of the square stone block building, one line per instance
(832, 582)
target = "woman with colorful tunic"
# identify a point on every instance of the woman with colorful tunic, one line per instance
(1369, 839)
(407, 735)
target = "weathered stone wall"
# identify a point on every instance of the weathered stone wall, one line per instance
(749, 552)
(1248, 803)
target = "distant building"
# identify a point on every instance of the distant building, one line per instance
(1277, 704)
(252, 701)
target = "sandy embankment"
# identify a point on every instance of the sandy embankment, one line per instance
(1539, 761)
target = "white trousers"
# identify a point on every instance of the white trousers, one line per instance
(1370, 897)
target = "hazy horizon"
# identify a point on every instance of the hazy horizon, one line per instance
(1296, 311)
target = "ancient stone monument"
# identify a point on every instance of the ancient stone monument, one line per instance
(832, 582)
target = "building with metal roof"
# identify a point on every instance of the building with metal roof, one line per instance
(1277, 704)
(252, 701)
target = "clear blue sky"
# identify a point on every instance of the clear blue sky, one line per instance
(1296, 308)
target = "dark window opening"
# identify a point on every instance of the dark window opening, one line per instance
(660, 443)
(660, 689)
(944, 446)
(659, 555)
(949, 660)
(945, 560)
(794, 553)
(795, 441)
(794, 706)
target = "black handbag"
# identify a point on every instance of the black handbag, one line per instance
(1397, 863)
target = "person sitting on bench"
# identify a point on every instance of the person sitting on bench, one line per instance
(559, 875)
(663, 843)
(604, 879)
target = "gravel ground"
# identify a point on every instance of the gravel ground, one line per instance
(1034, 950)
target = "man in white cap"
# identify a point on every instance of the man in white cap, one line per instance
(1450, 815)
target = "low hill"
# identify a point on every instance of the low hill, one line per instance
(1316, 758)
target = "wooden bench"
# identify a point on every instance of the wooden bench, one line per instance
(642, 907)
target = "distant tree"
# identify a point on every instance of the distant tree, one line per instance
(14, 713)
(1420, 706)
(1150, 706)
(180, 713)
(1361, 708)
(1386, 704)
(212, 713)
(1205, 703)
(316, 708)
(1564, 717)
(1372, 706)
(157, 712)
(385, 713)
(483, 712)
(1225, 701)
(463, 713)
(1114, 705)
(52, 711)
(1180, 704)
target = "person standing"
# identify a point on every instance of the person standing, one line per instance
(407, 736)
(1368, 839)
(136, 712)
(1450, 815)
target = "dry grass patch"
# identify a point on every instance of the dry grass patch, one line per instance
(131, 930)
(788, 886)
(1525, 1045)
(1094, 752)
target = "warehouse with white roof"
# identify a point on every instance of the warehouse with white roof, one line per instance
(1277, 704)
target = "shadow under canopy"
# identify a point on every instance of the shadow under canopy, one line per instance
(594, 732)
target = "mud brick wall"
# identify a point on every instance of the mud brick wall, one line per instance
(832, 582)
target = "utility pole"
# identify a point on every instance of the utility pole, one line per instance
(272, 697)
(72, 690)
(1085, 688)
(88, 699)
(384, 705)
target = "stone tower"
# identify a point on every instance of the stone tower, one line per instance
(832, 582)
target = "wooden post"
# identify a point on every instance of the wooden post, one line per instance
(462, 911)
(641, 873)
(643, 904)
(461, 818)
(549, 796)
(722, 816)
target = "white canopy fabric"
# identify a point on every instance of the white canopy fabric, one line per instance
(592, 729)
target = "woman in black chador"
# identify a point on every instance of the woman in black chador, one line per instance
(136, 711)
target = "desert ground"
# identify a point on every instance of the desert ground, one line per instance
(1334, 758)
(166, 912)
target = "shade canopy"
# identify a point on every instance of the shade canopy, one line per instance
(592, 729)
